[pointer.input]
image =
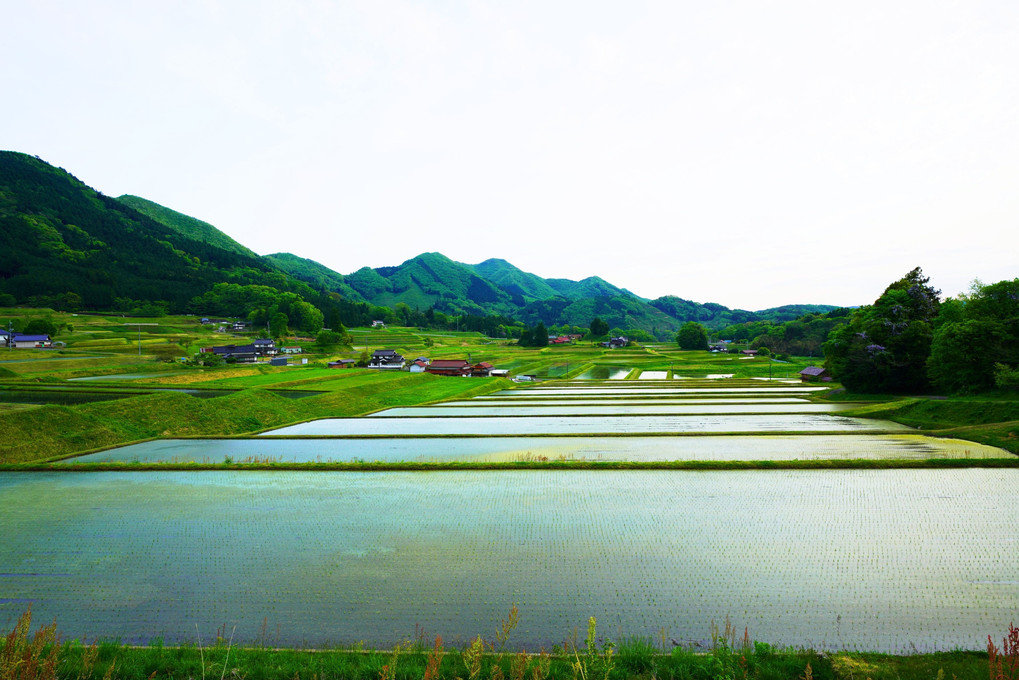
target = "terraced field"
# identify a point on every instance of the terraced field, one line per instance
(872, 559)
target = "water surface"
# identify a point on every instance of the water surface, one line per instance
(883, 560)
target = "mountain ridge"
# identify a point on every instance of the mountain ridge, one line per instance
(62, 237)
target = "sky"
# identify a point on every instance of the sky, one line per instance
(749, 153)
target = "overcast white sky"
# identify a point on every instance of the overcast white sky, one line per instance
(748, 153)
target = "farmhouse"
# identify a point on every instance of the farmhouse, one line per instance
(449, 367)
(342, 363)
(244, 353)
(748, 352)
(386, 358)
(481, 370)
(615, 343)
(815, 374)
(21, 341)
(419, 365)
(291, 350)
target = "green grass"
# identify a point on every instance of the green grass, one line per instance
(457, 466)
(44, 657)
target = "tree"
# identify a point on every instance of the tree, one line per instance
(884, 347)
(599, 327)
(539, 337)
(41, 327)
(278, 325)
(692, 335)
(973, 335)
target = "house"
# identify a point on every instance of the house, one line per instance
(449, 367)
(560, 340)
(378, 324)
(419, 365)
(386, 358)
(748, 352)
(238, 326)
(244, 353)
(718, 347)
(291, 350)
(342, 363)
(615, 343)
(22, 341)
(481, 370)
(264, 347)
(499, 373)
(815, 374)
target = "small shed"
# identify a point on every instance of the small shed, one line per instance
(815, 374)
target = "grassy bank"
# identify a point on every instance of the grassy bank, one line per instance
(730, 655)
(52, 431)
(70, 465)
(992, 421)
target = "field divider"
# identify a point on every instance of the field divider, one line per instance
(458, 466)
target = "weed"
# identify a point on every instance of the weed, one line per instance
(30, 658)
(472, 658)
(1003, 664)
(434, 660)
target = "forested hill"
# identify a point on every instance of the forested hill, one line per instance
(60, 239)
(188, 226)
(63, 244)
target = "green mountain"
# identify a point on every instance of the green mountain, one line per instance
(313, 273)
(183, 224)
(432, 280)
(63, 243)
(515, 281)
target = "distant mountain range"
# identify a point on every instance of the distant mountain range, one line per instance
(61, 237)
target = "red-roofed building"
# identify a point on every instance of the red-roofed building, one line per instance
(449, 367)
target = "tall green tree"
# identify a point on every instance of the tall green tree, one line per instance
(692, 335)
(599, 327)
(884, 347)
(974, 334)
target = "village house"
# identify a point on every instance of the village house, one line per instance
(291, 350)
(342, 363)
(449, 367)
(419, 365)
(386, 358)
(615, 343)
(23, 341)
(245, 354)
(481, 370)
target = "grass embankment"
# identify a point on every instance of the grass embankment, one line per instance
(52, 431)
(991, 421)
(43, 657)
(460, 466)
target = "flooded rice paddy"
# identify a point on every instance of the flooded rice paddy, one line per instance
(609, 424)
(516, 449)
(569, 408)
(886, 560)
